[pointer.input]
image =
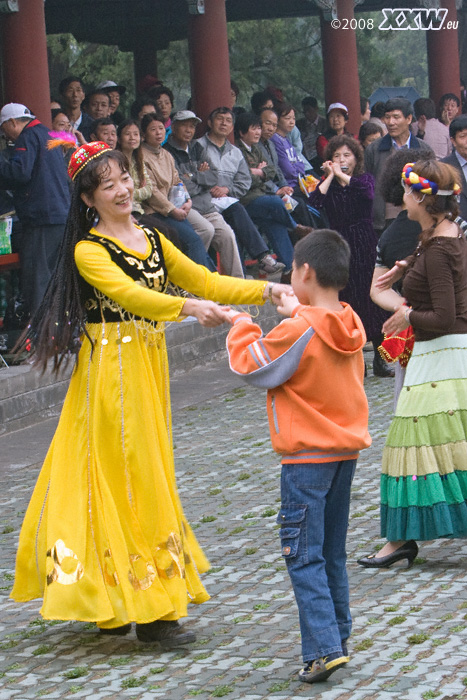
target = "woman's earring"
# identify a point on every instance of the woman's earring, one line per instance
(90, 214)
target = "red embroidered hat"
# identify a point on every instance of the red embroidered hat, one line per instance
(84, 154)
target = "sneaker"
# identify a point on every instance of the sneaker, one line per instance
(320, 669)
(168, 632)
(269, 265)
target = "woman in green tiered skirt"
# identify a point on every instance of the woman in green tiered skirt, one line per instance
(424, 470)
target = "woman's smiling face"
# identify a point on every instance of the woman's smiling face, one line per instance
(113, 198)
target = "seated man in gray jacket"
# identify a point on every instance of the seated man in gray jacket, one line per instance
(207, 222)
(229, 176)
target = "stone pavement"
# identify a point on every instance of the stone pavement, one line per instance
(410, 626)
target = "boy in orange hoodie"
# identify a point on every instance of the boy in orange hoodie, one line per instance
(312, 366)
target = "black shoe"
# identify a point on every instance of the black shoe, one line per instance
(118, 631)
(408, 550)
(380, 368)
(320, 669)
(168, 632)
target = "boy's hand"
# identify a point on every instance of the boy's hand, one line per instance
(231, 313)
(287, 304)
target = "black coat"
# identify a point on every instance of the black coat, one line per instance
(452, 160)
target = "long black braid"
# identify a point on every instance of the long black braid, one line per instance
(53, 328)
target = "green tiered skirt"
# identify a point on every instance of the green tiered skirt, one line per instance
(424, 471)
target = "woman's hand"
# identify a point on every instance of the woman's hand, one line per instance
(287, 304)
(393, 275)
(285, 190)
(339, 173)
(274, 291)
(178, 214)
(397, 322)
(329, 177)
(327, 168)
(207, 313)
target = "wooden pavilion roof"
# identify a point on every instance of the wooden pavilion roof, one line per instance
(126, 22)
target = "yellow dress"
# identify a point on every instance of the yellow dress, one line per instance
(104, 538)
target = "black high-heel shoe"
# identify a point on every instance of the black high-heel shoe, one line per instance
(408, 550)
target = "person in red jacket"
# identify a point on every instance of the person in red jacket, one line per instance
(312, 366)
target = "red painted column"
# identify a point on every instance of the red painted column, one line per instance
(209, 59)
(339, 46)
(443, 55)
(24, 56)
(145, 60)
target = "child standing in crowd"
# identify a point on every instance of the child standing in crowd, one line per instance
(312, 365)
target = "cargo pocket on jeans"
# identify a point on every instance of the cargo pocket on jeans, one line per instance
(291, 519)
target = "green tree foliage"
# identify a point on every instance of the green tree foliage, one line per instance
(388, 58)
(282, 52)
(93, 63)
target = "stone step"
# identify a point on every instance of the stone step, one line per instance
(28, 396)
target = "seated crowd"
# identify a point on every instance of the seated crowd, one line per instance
(223, 203)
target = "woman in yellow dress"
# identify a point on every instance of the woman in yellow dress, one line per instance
(104, 538)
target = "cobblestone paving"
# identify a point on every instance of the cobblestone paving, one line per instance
(409, 637)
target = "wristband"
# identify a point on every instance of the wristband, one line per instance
(407, 311)
(271, 287)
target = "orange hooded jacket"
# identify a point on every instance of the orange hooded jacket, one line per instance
(312, 366)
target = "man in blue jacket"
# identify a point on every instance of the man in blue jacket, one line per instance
(39, 182)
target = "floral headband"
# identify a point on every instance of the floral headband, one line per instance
(422, 185)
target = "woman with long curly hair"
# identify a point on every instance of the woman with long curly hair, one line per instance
(104, 538)
(346, 195)
(424, 469)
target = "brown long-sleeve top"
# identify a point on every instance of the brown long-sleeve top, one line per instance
(436, 288)
(164, 175)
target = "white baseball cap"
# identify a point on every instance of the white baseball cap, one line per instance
(14, 110)
(109, 86)
(183, 115)
(340, 106)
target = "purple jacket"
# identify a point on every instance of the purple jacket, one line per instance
(289, 160)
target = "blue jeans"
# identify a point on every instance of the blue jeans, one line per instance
(314, 516)
(246, 233)
(270, 215)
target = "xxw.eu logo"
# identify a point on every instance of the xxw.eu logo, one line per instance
(399, 19)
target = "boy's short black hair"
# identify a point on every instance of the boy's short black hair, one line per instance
(328, 254)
